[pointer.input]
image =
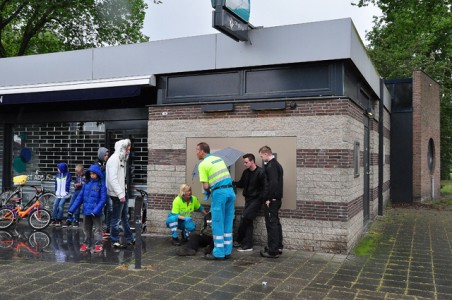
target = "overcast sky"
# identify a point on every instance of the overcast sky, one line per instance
(181, 18)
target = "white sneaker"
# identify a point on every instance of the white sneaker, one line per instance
(242, 249)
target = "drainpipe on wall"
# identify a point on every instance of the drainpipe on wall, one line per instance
(433, 187)
(380, 148)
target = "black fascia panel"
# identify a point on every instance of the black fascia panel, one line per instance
(295, 80)
(72, 95)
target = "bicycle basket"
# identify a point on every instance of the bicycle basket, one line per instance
(20, 180)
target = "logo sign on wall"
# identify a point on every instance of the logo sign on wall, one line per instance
(231, 18)
(240, 8)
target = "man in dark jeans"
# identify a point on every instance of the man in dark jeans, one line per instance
(116, 187)
(273, 195)
(253, 183)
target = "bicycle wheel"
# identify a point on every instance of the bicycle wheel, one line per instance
(6, 239)
(6, 218)
(39, 239)
(39, 219)
(47, 201)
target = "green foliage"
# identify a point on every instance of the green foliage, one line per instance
(36, 26)
(417, 35)
(446, 187)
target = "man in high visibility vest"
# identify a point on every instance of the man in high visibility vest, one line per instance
(216, 180)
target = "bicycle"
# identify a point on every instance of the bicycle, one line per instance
(46, 198)
(34, 244)
(144, 195)
(38, 218)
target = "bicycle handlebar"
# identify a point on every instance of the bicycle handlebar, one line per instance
(142, 192)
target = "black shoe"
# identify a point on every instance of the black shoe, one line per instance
(175, 242)
(132, 242)
(279, 250)
(209, 256)
(268, 255)
(227, 256)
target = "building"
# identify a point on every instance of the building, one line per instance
(309, 91)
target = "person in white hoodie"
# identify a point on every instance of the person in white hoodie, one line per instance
(116, 189)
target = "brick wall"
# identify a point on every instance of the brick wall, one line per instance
(74, 143)
(51, 143)
(426, 126)
(328, 215)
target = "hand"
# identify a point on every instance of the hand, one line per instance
(267, 203)
(207, 195)
(187, 219)
(122, 200)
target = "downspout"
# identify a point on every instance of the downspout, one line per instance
(380, 148)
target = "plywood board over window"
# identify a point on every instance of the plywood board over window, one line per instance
(284, 147)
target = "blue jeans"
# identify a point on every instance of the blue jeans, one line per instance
(120, 213)
(58, 208)
(76, 216)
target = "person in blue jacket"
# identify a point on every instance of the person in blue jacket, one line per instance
(93, 197)
(62, 192)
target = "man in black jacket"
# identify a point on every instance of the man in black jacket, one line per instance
(272, 196)
(253, 183)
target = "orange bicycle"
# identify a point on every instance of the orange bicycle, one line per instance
(33, 244)
(38, 217)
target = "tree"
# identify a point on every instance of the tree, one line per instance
(416, 35)
(37, 26)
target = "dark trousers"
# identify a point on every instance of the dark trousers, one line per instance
(90, 223)
(246, 226)
(274, 229)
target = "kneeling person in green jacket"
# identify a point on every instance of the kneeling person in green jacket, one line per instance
(180, 216)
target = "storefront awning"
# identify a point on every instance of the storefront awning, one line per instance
(75, 91)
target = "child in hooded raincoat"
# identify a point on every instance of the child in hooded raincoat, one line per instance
(93, 197)
(62, 192)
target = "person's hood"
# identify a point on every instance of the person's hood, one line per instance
(101, 153)
(120, 148)
(62, 167)
(95, 169)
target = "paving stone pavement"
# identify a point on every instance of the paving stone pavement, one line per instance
(412, 260)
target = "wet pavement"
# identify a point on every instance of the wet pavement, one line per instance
(412, 260)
